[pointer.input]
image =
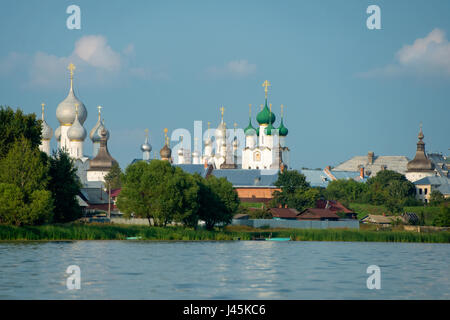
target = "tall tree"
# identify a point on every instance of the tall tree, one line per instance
(291, 180)
(296, 192)
(64, 185)
(24, 176)
(159, 192)
(218, 201)
(390, 188)
(15, 125)
(114, 177)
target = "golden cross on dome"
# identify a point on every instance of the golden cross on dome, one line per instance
(282, 110)
(71, 67)
(146, 132)
(166, 138)
(43, 107)
(222, 110)
(266, 85)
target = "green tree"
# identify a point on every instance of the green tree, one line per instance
(443, 218)
(114, 177)
(218, 201)
(291, 180)
(390, 188)
(26, 167)
(346, 190)
(24, 176)
(64, 185)
(295, 191)
(159, 192)
(14, 209)
(135, 196)
(11, 204)
(436, 198)
(15, 125)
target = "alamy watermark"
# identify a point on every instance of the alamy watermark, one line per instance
(73, 281)
(374, 280)
(74, 20)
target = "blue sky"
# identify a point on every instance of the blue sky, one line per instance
(157, 64)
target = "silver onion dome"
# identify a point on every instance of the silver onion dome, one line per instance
(47, 131)
(76, 132)
(95, 135)
(65, 112)
(146, 147)
(58, 134)
(221, 131)
(94, 130)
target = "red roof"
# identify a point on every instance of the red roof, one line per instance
(284, 213)
(334, 206)
(315, 213)
(115, 192)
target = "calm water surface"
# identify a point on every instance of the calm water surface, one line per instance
(224, 270)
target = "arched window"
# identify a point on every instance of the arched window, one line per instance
(257, 156)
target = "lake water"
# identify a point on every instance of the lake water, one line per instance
(224, 270)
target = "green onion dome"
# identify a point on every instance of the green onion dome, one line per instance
(265, 116)
(282, 130)
(268, 129)
(249, 131)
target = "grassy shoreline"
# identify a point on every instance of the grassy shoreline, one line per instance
(69, 232)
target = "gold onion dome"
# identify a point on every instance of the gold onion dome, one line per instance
(165, 152)
(65, 112)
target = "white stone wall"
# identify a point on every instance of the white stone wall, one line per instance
(414, 176)
(76, 149)
(96, 175)
(65, 142)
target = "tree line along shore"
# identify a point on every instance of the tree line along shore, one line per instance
(38, 198)
(75, 231)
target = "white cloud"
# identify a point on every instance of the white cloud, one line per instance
(96, 64)
(95, 51)
(239, 68)
(426, 56)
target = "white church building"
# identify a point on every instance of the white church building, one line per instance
(71, 134)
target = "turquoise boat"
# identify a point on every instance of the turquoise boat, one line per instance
(134, 238)
(278, 239)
